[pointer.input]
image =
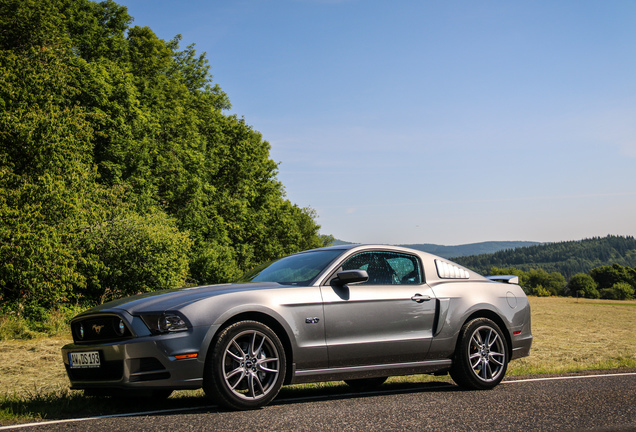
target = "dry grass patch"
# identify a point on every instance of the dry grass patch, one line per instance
(579, 334)
(32, 366)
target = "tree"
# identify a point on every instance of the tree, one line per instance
(45, 168)
(582, 285)
(608, 276)
(120, 172)
(618, 291)
(566, 258)
(553, 283)
(535, 281)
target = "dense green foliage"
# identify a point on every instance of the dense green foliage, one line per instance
(566, 258)
(592, 268)
(120, 171)
(613, 282)
(536, 282)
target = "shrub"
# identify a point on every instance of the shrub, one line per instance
(582, 285)
(618, 291)
(27, 324)
(132, 255)
(13, 326)
(540, 291)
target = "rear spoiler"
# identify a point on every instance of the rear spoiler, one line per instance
(510, 279)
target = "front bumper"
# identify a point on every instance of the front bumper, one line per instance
(521, 347)
(146, 362)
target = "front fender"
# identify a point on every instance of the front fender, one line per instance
(298, 313)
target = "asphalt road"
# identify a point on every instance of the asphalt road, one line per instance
(606, 403)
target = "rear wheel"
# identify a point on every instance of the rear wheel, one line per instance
(365, 383)
(482, 356)
(246, 366)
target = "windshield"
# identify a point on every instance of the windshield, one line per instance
(298, 269)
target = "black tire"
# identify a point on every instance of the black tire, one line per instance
(481, 357)
(245, 368)
(365, 383)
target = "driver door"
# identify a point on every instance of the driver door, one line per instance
(388, 319)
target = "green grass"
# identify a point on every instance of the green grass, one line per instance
(570, 335)
(628, 304)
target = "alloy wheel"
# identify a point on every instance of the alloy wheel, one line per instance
(487, 354)
(251, 365)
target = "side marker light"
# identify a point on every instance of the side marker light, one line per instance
(186, 356)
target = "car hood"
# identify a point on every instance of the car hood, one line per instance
(158, 301)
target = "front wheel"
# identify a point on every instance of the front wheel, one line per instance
(246, 366)
(481, 358)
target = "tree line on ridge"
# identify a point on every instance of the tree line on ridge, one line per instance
(600, 267)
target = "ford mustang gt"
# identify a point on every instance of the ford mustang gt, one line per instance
(356, 313)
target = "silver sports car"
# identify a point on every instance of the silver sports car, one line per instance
(354, 313)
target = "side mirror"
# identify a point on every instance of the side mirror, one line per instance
(350, 277)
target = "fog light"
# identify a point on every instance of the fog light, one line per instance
(121, 327)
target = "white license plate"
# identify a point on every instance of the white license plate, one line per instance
(84, 359)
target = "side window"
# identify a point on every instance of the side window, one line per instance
(386, 268)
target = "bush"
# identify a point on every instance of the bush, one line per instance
(133, 255)
(26, 325)
(540, 291)
(582, 285)
(618, 291)
(13, 326)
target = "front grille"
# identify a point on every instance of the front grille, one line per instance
(99, 328)
(108, 371)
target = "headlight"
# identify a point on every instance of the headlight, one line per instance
(167, 322)
(172, 323)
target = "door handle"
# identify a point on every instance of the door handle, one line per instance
(419, 298)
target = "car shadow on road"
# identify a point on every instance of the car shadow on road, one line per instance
(76, 405)
(331, 391)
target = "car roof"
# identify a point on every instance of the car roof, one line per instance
(364, 246)
(428, 259)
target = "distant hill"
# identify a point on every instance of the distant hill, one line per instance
(462, 250)
(470, 249)
(567, 258)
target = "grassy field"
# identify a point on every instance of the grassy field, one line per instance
(569, 335)
(572, 335)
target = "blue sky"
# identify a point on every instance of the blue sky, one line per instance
(443, 122)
